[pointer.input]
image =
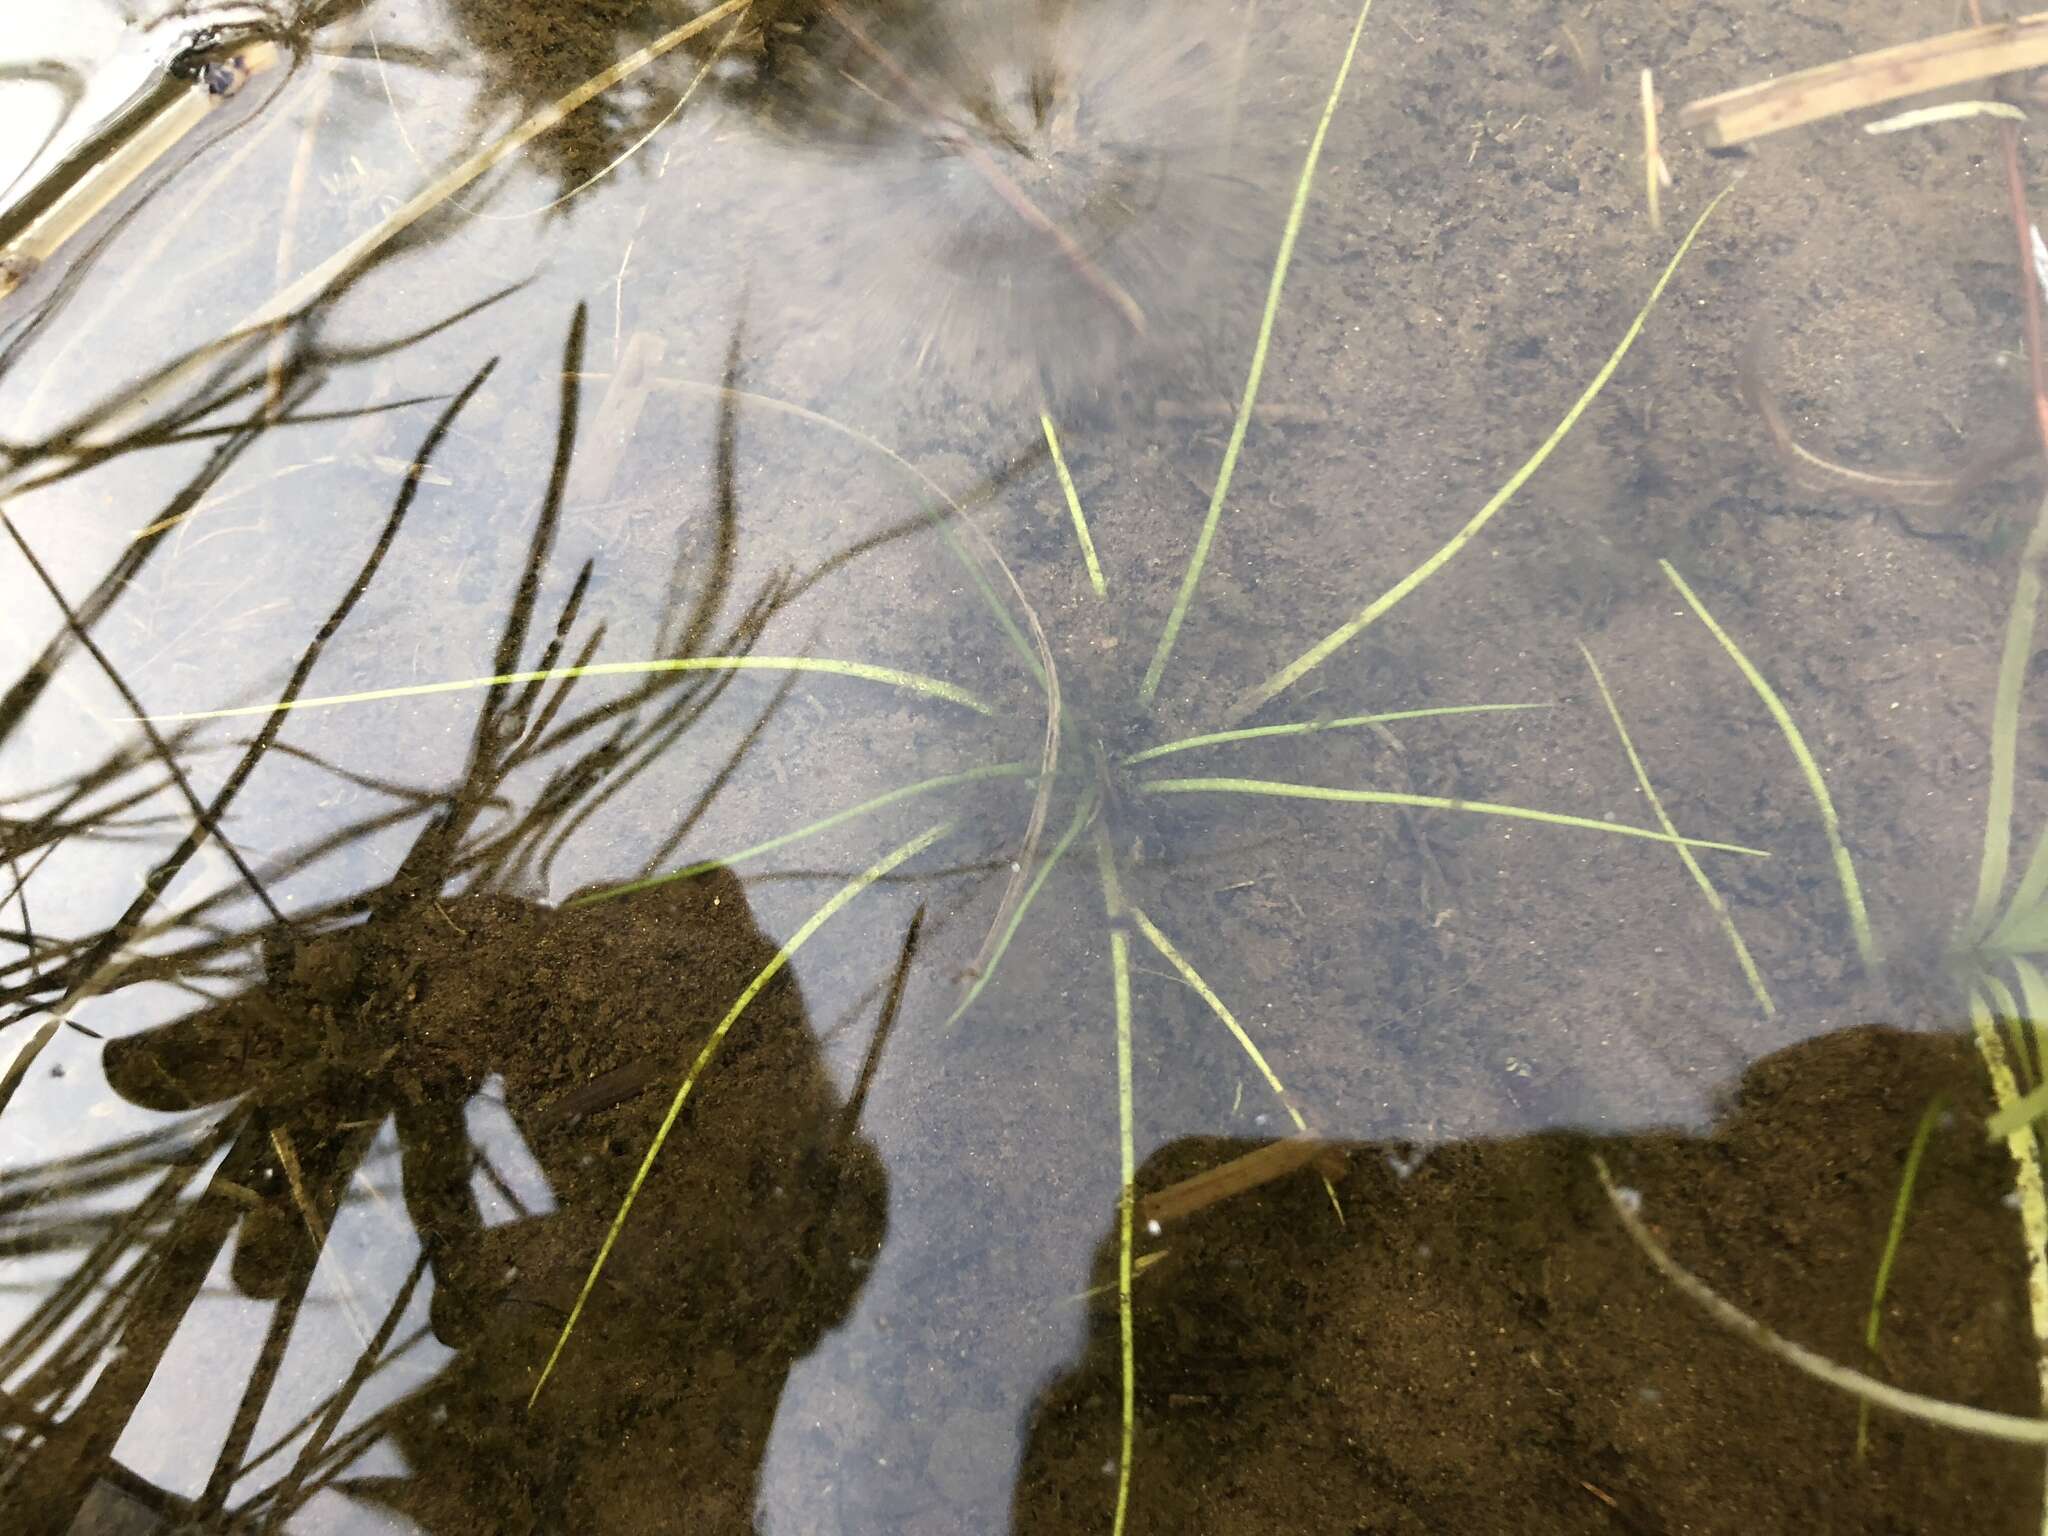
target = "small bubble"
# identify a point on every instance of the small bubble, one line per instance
(1109, 1468)
(1649, 1395)
(1630, 1200)
(1152, 1228)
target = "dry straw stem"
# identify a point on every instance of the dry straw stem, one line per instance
(930, 687)
(1845, 867)
(1750, 973)
(1345, 633)
(1653, 158)
(313, 286)
(1193, 978)
(1260, 1166)
(1915, 1405)
(156, 136)
(1868, 79)
(768, 972)
(1947, 112)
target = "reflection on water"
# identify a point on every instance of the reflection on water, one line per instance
(675, 851)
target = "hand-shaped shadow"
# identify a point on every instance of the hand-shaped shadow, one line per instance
(740, 1255)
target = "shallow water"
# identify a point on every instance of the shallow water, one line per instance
(336, 1047)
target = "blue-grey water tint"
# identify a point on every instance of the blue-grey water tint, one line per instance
(326, 1085)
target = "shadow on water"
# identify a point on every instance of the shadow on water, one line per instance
(1480, 1346)
(331, 1074)
(501, 1055)
(449, 1034)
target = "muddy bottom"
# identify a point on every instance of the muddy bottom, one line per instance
(1481, 1347)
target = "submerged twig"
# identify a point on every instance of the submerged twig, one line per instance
(1868, 79)
(1914, 1405)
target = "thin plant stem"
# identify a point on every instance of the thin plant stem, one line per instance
(1023, 647)
(2031, 1019)
(1895, 1234)
(1082, 815)
(2005, 725)
(768, 972)
(2005, 1006)
(812, 829)
(1289, 233)
(1284, 791)
(315, 285)
(1059, 464)
(1120, 961)
(1757, 989)
(1203, 990)
(2024, 1145)
(1345, 633)
(1193, 978)
(1845, 867)
(1127, 1200)
(1306, 727)
(930, 687)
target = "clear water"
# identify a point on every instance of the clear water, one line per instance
(336, 1048)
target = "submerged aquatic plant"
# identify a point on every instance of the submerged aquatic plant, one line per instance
(1097, 767)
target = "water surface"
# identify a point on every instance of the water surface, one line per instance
(491, 639)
